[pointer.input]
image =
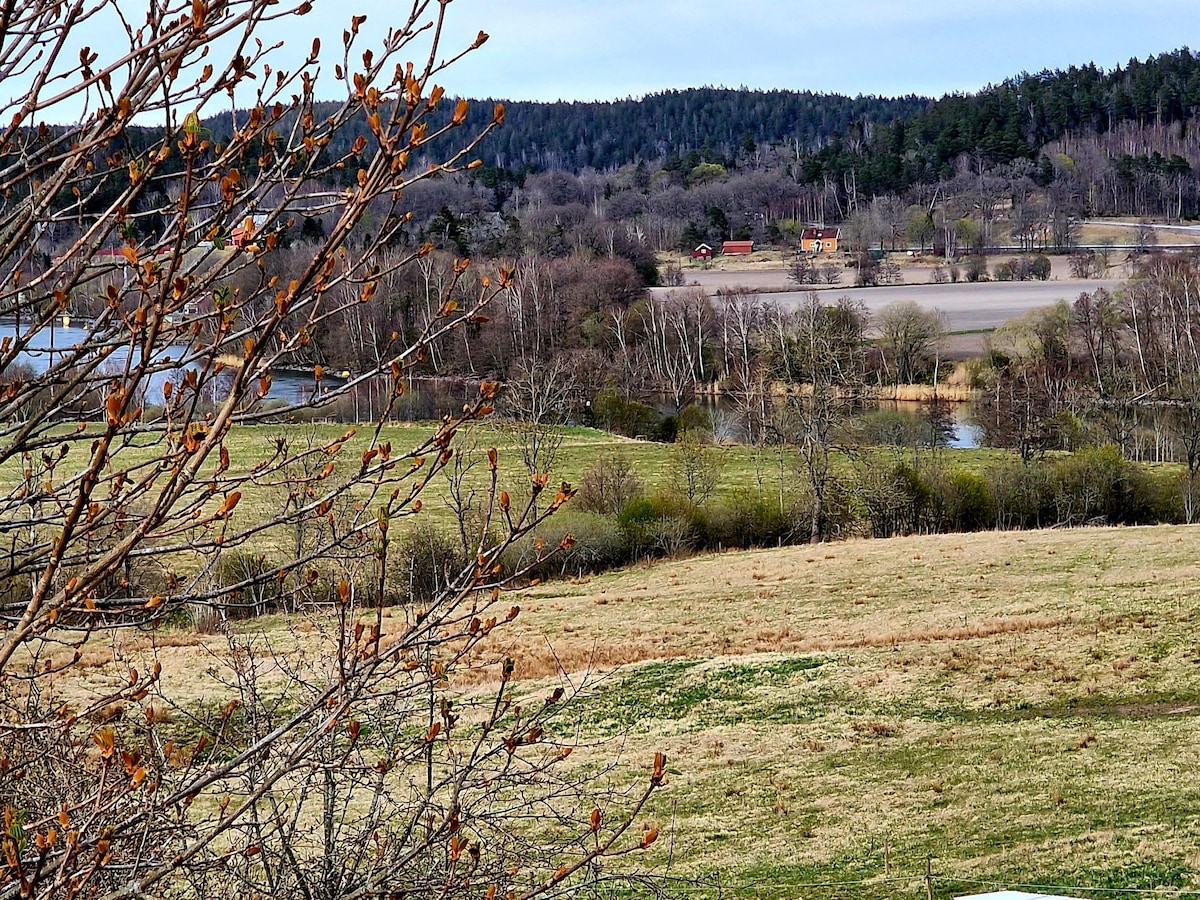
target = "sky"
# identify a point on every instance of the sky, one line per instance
(587, 50)
(608, 49)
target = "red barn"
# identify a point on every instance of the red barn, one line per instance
(738, 248)
(244, 233)
(702, 252)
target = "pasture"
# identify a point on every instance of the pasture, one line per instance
(1019, 708)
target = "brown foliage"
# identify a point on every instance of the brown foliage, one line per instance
(125, 501)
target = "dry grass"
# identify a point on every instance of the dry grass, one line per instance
(1018, 705)
(1021, 706)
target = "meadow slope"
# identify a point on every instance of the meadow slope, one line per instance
(1022, 707)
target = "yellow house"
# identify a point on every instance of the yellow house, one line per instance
(820, 240)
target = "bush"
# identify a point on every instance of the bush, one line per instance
(893, 500)
(423, 561)
(235, 567)
(1093, 485)
(958, 501)
(657, 526)
(1086, 264)
(612, 412)
(1098, 485)
(693, 418)
(1002, 272)
(1022, 268)
(1023, 495)
(839, 518)
(1041, 267)
(750, 521)
(976, 269)
(599, 545)
(609, 485)
(666, 430)
(868, 270)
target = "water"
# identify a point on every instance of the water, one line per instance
(965, 431)
(366, 401)
(51, 345)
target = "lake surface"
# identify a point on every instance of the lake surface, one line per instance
(50, 344)
(423, 399)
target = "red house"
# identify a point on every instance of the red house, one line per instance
(702, 252)
(244, 233)
(738, 248)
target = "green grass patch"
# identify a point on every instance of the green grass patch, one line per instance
(687, 689)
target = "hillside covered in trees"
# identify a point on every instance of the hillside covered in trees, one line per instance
(1014, 120)
(1093, 142)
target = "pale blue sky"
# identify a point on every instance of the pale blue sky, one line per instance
(605, 49)
(583, 49)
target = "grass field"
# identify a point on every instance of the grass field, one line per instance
(1020, 707)
(743, 470)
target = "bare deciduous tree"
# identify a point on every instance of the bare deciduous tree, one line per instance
(538, 399)
(347, 765)
(912, 339)
(823, 358)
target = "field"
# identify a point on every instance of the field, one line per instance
(972, 310)
(742, 468)
(1013, 708)
(1020, 708)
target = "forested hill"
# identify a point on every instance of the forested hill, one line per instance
(868, 144)
(1013, 121)
(604, 135)
(717, 123)
(889, 144)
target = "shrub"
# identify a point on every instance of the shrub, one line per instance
(599, 545)
(830, 274)
(612, 412)
(1099, 485)
(667, 429)
(976, 269)
(868, 270)
(1002, 271)
(749, 521)
(657, 526)
(424, 559)
(958, 501)
(839, 518)
(693, 418)
(1041, 267)
(1022, 268)
(893, 499)
(1022, 494)
(235, 567)
(1086, 264)
(609, 485)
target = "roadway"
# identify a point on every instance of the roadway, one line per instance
(966, 306)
